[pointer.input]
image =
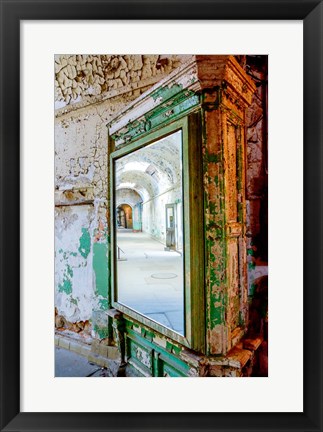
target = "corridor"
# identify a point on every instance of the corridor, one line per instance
(150, 279)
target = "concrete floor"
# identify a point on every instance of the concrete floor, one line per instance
(71, 364)
(150, 279)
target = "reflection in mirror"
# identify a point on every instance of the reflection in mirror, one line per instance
(149, 231)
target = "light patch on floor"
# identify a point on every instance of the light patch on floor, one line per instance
(160, 299)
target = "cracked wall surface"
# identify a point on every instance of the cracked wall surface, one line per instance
(79, 77)
(89, 90)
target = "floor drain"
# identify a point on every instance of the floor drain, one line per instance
(164, 275)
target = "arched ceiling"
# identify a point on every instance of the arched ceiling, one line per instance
(153, 169)
(127, 196)
(140, 182)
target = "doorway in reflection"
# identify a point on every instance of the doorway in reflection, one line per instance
(149, 231)
(124, 216)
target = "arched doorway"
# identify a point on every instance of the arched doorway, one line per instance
(124, 216)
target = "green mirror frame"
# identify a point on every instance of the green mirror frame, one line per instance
(192, 182)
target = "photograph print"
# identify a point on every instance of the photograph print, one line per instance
(161, 215)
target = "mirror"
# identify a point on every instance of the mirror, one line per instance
(149, 231)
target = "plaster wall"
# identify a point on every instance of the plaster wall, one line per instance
(154, 213)
(81, 177)
(75, 294)
(89, 90)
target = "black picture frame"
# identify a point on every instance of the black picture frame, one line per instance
(12, 12)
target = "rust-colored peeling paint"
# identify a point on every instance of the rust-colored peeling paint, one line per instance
(215, 337)
(224, 201)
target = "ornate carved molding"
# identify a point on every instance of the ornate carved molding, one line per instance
(218, 77)
(165, 112)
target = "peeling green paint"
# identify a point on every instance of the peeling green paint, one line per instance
(85, 243)
(172, 348)
(212, 257)
(214, 158)
(171, 110)
(147, 334)
(164, 357)
(66, 286)
(251, 265)
(69, 270)
(104, 304)
(215, 240)
(101, 268)
(214, 277)
(176, 103)
(217, 314)
(212, 207)
(166, 92)
(103, 332)
(252, 289)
